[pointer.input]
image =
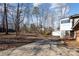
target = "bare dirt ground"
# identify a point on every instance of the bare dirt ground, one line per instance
(36, 45)
(72, 43)
(13, 41)
(41, 48)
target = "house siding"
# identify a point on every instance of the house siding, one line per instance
(77, 35)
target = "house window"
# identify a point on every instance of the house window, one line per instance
(65, 21)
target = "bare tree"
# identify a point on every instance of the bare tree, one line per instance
(17, 15)
(17, 20)
(45, 17)
(5, 21)
(27, 11)
(36, 13)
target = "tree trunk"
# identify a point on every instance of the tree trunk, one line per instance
(3, 25)
(17, 21)
(5, 17)
(37, 20)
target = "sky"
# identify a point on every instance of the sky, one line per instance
(67, 8)
(74, 8)
(58, 9)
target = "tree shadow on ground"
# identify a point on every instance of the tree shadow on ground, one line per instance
(15, 42)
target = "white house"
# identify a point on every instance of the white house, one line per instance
(65, 27)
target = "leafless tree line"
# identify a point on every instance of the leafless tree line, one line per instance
(21, 12)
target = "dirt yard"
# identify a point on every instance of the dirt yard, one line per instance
(32, 45)
(41, 48)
